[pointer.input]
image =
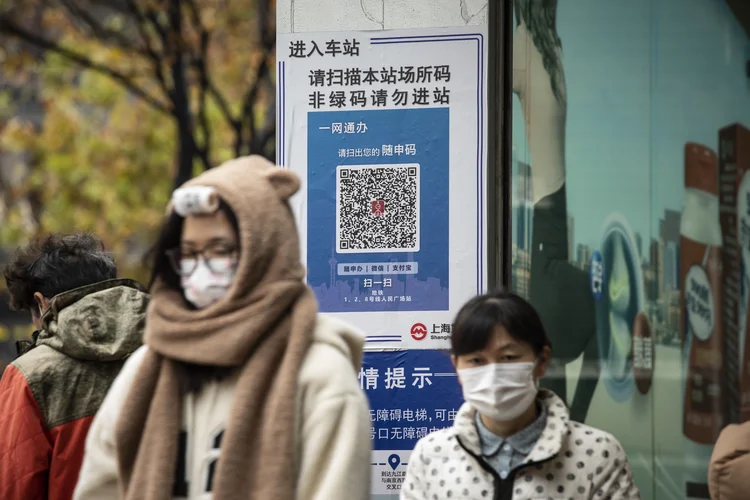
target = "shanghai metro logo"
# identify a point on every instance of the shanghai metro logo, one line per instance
(418, 331)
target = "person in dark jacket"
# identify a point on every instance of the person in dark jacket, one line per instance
(87, 323)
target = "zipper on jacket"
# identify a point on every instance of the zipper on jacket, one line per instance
(503, 487)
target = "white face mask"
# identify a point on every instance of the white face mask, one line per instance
(204, 287)
(500, 391)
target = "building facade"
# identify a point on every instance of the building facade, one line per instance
(614, 161)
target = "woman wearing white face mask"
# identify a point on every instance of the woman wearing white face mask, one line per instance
(242, 390)
(511, 440)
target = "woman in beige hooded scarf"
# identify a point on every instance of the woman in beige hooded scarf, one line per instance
(242, 390)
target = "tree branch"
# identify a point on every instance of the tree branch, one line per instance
(203, 155)
(262, 140)
(151, 15)
(198, 25)
(114, 5)
(203, 82)
(262, 74)
(220, 100)
(99, 31)
(156, 59)
(182, 100)
(248, 116)
(199, 63)
(10, 28)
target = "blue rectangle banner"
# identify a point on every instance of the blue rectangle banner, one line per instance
(378, 205)
(411, 393)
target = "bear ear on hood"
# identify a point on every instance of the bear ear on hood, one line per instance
(284, 182)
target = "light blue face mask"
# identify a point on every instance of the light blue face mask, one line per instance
(500, 391)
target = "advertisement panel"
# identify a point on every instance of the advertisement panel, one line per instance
(630, 152)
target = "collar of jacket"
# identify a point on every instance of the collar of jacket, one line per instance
(25, 345)
(546, 447)
(65, 299)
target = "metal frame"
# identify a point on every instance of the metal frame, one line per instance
(499, 139)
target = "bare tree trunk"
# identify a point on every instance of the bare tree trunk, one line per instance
(186, 149)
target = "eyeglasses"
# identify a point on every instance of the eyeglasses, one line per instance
(218, 259)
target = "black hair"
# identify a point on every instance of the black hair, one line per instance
(191, 376)
(478, 318)
(169, 238)
(56, 264)
(540, 17)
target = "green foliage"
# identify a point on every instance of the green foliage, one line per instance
(103, 158)
(102, 161)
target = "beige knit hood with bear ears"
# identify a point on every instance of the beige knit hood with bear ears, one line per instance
(264, 326)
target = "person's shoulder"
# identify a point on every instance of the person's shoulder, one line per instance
(132, 365)
(36, 363)
(331, 332)
(67, 389)
(333, 359)
(121, 385)
(128, 372)
(730, 460)
(440, 443)
(594, 443)
(43, 362)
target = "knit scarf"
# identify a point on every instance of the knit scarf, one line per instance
(263, 327)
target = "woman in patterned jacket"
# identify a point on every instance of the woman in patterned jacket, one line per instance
(511, 440)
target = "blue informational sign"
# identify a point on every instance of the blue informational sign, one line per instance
(411, 393)
(378, 209)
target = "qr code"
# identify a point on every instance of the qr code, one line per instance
(377, 208)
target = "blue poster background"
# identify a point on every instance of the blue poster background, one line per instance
(405, 409)
(427, 130)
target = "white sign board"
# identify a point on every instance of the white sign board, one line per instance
(387, 131)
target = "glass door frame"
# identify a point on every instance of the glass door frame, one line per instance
(499, 139)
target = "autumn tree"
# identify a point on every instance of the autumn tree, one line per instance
(181, 57)
(128, 99)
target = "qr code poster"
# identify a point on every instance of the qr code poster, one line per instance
(377, 208)
(377, 213)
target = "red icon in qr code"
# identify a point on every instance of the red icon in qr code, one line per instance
(378, 208)
(418, 331)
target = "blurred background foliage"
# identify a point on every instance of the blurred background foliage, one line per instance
(107, 105)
